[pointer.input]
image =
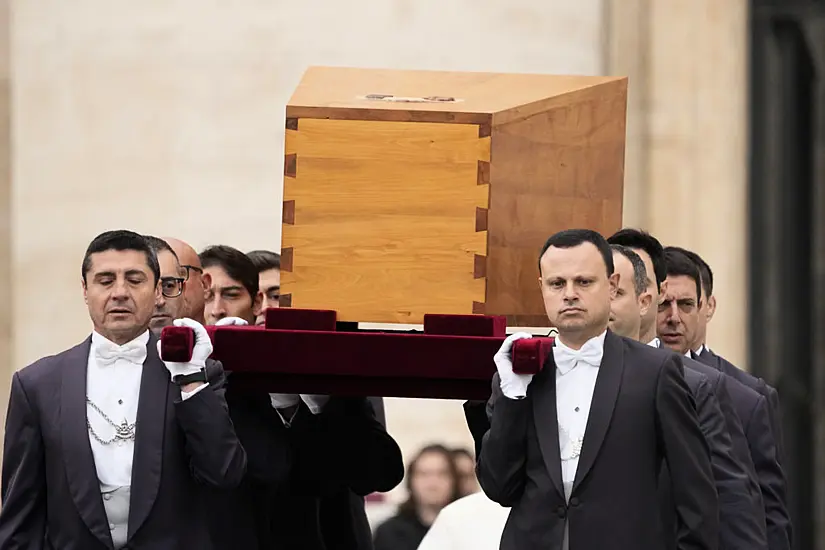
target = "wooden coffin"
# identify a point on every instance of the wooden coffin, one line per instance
(417, 192)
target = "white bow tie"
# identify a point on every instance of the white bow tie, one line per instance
(567, 358)
(107, 353)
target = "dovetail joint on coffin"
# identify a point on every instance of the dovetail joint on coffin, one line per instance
(290, 165)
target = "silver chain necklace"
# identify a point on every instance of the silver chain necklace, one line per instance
(576, 445)
(123, 432)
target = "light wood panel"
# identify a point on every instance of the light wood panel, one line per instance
(558, 170)
(383, 219)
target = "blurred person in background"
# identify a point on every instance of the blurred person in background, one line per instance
(465, 465)
(432, 483)
(474, 521)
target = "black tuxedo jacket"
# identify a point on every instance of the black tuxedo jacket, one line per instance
(300, 482)
(51, 493)
(741, 515)
(344, 522)
(718, 362)
(642, 414)
(751, 398)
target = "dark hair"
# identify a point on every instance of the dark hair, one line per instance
(408, 507)
(265, 260)
(120, 240)
(678, 264)
(236, 264)
(636, 238)
(158, 245)
(704, 269)
(571, 238)
(639, 269)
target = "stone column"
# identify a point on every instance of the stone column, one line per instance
(686, 153)
(6, 344)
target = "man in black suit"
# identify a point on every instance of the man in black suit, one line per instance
(106, 444)
(774, 486)
(749, 406)
(741, 515)
(701, 352)
(576, 450)
(343, 516)
(337, 450)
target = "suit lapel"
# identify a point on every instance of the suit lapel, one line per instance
(708, 358)
(81, 474)
(543, 392)
(151, 422)
(608, 384)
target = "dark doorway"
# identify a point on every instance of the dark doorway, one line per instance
(787, 240)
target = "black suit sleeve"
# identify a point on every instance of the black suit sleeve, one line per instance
(740, 525)
(776, 419)
(269, 455)
(501, 466)
(364, 457)
(475, 412)
(344, 447)
(771, 476)
(688, 459)
(23, 515)
(216, 456)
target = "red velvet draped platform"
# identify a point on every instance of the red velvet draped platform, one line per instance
(305, 351)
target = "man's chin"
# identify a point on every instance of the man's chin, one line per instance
(157, 323)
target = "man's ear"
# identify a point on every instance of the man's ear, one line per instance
(645, 301)
(662, 291)
(711, 307)
(83, 286)
(207, 281)
(613, 281)
(257, 303)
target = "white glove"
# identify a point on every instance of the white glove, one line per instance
(315, 402)
(283, 400)
(513, 386)
(231, 322)
(200, 352)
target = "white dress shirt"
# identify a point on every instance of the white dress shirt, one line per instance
(113, 384)
(576, 373)
(473, 522)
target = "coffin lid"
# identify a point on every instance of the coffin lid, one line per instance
(342, 93)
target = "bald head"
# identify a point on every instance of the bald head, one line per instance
(197, 283)
(186, 254)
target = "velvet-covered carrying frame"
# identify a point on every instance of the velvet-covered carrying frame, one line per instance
(306, 351)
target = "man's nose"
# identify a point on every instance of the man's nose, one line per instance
(673, 316)
(120, 290)
(570, 291)
(217, 308)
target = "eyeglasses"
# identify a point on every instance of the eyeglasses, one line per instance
(190, 268)
(171, 287)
